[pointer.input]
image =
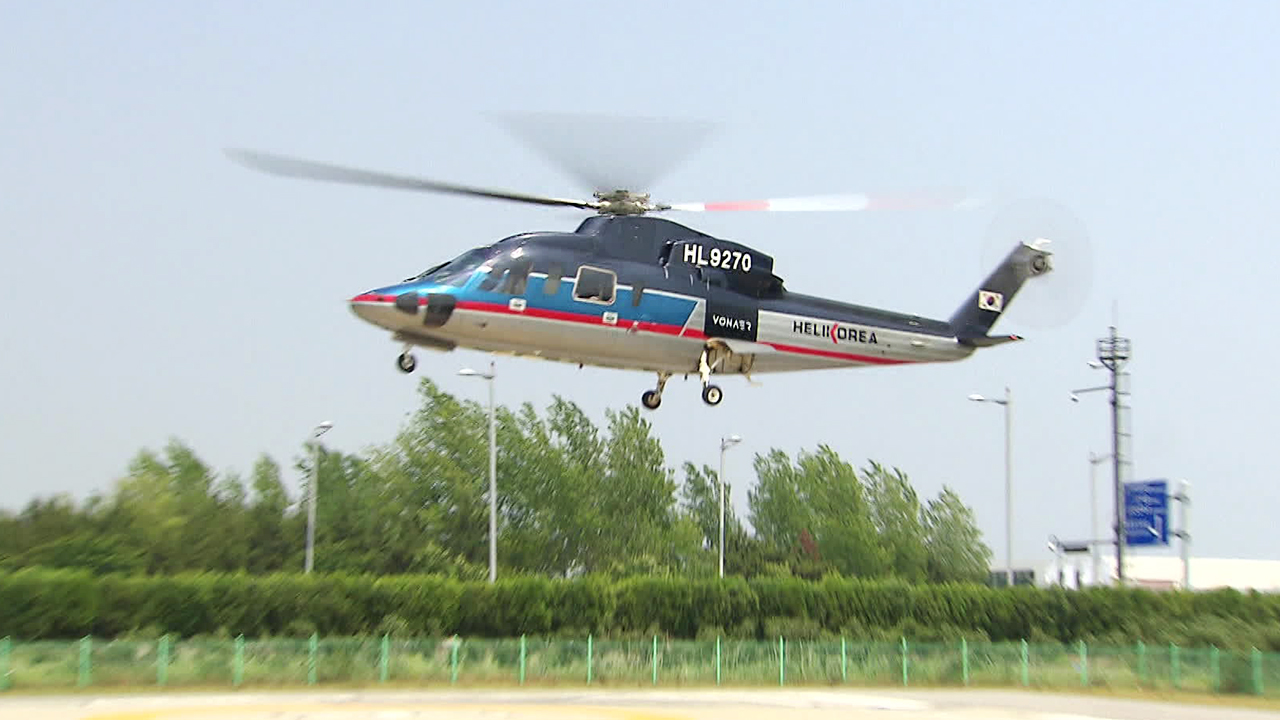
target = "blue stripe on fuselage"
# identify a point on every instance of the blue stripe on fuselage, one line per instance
(654, 307)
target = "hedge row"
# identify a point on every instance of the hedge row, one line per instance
(39, 604)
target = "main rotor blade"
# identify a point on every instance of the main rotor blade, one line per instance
(311, 170)
(852, 202)
(606, 152)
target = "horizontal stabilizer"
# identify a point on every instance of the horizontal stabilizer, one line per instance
(989, 340)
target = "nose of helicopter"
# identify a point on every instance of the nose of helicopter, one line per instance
(375, 307)
(394, 308)
(387, 307)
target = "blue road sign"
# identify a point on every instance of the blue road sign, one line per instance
(1146, 512)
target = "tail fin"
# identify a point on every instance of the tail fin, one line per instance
(973, 320)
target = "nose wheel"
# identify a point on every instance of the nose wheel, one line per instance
(653, 398)
(406, 362)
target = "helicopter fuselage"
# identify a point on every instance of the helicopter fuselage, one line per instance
(647, 294)
(627, 290)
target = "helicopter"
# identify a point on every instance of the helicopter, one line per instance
(627, 290)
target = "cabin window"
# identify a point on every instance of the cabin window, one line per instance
(517, 278)
(595, 285)
(637, 293)
(552, 284)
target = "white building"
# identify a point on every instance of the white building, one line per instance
(1163, 572)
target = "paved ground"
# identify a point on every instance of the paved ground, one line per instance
(613, 705)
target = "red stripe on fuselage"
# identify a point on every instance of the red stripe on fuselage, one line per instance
(659, 328)
(670, 330)
(835, 354)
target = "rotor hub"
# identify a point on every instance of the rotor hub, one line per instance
(624, 202)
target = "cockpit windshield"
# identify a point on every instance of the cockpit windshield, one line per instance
(456, 271)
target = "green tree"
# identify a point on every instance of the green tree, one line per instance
(896, 516)
(266, 519)
(700, 502)
(956, 552)
(822, 495)
(430, 485)
(165, 506)
(41, 521)
(84, 550)
(779, 504)
(637, 499)
(574, 497)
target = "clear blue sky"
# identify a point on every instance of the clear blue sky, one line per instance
(154, 289)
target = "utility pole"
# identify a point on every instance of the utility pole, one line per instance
(1113, 353)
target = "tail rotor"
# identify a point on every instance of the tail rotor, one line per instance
(1058, 297)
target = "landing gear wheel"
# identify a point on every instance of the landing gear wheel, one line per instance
(712, 395)
(406, 363)
(653, 398)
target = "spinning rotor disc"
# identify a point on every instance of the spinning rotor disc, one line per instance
(616, 158)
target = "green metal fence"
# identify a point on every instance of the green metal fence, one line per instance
(447, 661)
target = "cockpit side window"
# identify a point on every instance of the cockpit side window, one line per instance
(493, 278)
(458, 271)
(508, 273)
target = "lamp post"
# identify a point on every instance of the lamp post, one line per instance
(1094, 557)
(725, 444)
(493, 472)
(320, 429)
(1007, 402)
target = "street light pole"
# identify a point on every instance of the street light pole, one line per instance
(493, 471)
(1094, 557)
(725, 444)
(1008, 482)
(320, 429)
(1007, 402)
